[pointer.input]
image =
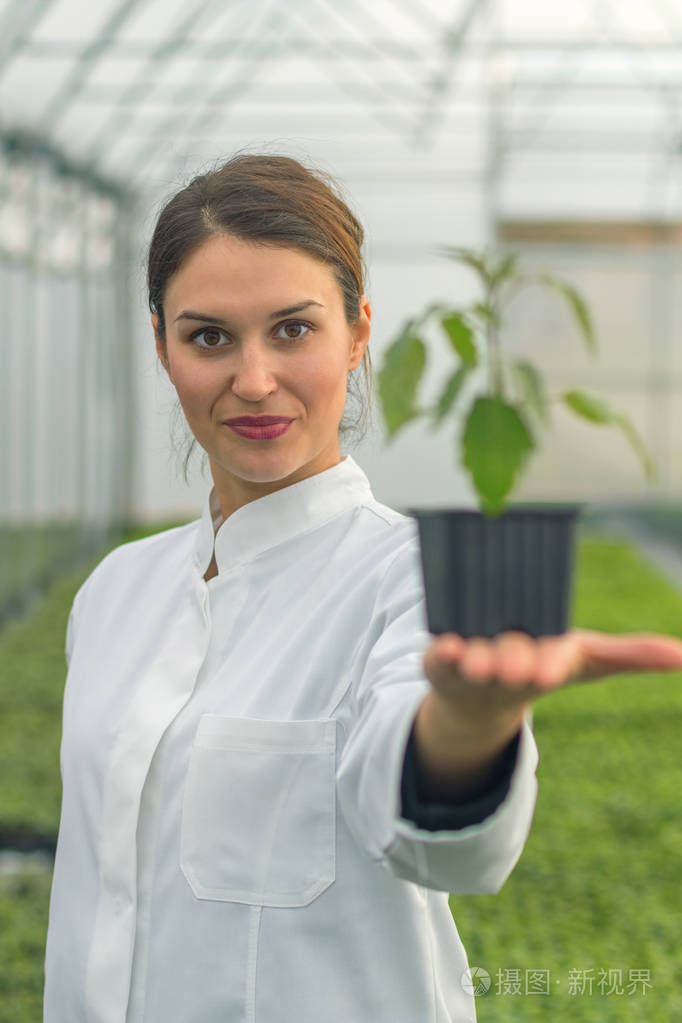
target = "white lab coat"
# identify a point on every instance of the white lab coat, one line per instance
(231, 846)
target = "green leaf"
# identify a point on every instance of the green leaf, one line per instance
(475, 260)
(533, 388)
(588, 407)
(452, 388)
(461, 337)
(429, 311)
(495, 446)
(505, 269)
(484, 311)
(648, 465)
(399, 379)
(598, 412)
(578, 307)
(485, 314)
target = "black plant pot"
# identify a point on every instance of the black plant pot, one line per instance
(511, 573)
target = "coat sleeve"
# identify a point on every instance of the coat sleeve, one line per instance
(70, 627)
(72, 623)
(437, 816)
(388, 686)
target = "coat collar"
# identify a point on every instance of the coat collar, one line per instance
(276, 517)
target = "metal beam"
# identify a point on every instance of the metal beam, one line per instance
(546, 97)
(419, 14)
(234, 88)
(111, 95)
(598, 141)
(541, 108)
(401, 50)
(452, 43)
(448, 179)
(33, 147)
(227, 94)
(667, 95)
(658, 179)
(80, 71)
(139, 87)
(250, 49)
(371, 49)
(599, 46)
(620, 92)
(16, 28)
(246, 122)
(225, 91)
(365, 92)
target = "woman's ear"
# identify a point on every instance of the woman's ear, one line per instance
(361, 332)
(160, 345)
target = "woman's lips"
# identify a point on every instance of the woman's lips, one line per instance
(261, 432)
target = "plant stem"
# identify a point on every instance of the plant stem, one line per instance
(496, 381)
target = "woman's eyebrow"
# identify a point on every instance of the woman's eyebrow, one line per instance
(191, 314)
(295, 308)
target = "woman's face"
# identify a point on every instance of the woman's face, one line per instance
(254, 330)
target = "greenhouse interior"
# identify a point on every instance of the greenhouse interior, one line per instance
(552, 132)
(555, 133)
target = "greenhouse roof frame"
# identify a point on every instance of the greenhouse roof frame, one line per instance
(133, 92)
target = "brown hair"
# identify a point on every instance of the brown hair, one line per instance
(273, 200)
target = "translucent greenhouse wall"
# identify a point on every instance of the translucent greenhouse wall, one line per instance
(629, 274)
(66, 401)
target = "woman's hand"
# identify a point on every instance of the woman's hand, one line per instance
(481, 688)
(512, 669)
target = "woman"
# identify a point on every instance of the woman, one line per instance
(272, 773)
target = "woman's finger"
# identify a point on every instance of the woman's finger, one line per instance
(517, 662)
(605, 654)
(515, 657)
(560, 660)
(478, 662)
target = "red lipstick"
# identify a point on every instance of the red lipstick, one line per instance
(257, 420)
(259, 427)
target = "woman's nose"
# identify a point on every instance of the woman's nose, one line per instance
(253, 371)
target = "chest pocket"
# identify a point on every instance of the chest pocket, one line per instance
(259, 811)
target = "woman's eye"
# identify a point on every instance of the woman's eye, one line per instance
(294, 330)
(211, 336)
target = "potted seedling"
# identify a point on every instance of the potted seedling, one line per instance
(507, 566)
